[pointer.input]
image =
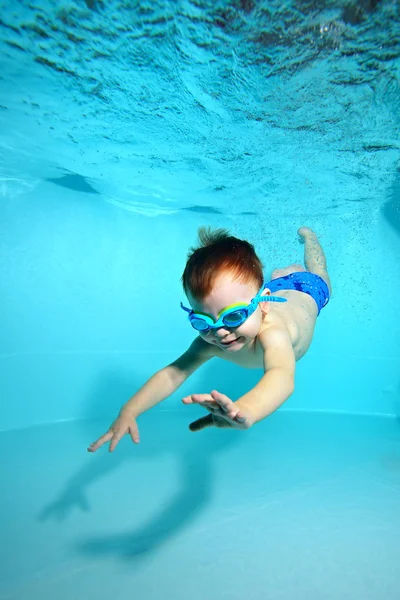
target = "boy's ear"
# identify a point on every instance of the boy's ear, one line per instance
(265, 305)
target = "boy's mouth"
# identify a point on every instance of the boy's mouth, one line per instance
(229, 343)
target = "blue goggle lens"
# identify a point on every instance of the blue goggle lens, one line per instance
(234, 319)
(199, 324)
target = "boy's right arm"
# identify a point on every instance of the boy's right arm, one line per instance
(161, 385)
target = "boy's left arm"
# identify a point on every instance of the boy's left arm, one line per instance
(277, 383)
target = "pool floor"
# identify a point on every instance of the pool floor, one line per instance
(302, 506)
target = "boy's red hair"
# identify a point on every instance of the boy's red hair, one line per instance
(219, 253)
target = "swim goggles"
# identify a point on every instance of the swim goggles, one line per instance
(233, 315)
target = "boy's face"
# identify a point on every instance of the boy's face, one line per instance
(225, 292)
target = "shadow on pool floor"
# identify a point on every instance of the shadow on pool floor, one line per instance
(303, 505)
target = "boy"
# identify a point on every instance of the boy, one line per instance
(241, 319)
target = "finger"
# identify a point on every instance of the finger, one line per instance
(134, 433)
(222, 400)
(102, 440)
(202, 423)
(240, 417)
(118, 435)
(201, 398)
(226, 405)
(236, 415)
(187, 400)
(197, 399)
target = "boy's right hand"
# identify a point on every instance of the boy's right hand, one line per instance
(125, 423)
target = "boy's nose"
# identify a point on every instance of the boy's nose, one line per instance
(221, 332)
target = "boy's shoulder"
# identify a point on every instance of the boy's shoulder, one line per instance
(274, 326)
(275, 333)
(277, 348)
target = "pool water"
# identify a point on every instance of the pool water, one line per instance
(301, 506)
(124, 127)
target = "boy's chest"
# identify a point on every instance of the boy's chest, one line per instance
(248, 358)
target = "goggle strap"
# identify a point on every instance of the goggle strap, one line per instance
(188, 310)
(272, 299)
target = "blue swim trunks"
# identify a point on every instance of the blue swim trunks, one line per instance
(303, 281)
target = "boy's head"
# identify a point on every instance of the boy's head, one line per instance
(223, 271)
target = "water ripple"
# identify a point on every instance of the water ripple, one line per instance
(250, 97)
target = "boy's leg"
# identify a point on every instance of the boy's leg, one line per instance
(314, 257)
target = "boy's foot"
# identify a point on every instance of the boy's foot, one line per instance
(306, 232)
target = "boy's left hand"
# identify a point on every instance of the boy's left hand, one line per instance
(223, 412)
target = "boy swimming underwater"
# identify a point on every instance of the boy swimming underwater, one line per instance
(238, 318)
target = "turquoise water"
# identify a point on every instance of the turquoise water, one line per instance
(305, 507)
(124, 126)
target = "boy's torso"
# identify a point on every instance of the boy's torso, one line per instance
(297, 316)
